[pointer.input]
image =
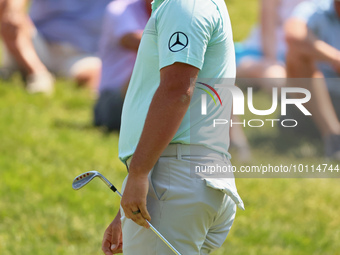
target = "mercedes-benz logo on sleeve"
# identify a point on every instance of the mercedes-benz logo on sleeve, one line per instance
(178, 41)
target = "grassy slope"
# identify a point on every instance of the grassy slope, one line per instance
(45, 143)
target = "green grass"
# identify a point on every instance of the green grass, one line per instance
(45, 142)
(243, 16)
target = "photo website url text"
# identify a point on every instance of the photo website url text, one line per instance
(268, 168)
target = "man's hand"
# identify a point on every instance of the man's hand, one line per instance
(134, 198)
(112, 240)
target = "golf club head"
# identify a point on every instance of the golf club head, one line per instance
(83, 179)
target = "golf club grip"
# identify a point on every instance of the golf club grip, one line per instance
(113, 188)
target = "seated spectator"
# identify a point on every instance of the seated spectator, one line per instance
(262, 55)
(313, 36)
(123, 26)
(58, 37)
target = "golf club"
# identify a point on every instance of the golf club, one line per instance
(83, 179)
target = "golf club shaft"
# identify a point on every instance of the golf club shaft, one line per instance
(113, 188)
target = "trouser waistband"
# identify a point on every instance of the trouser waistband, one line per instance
(178, 150)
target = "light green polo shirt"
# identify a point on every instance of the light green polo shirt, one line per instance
(195, 32)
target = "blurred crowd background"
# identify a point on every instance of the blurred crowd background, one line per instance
(95, 43)
(46, 139)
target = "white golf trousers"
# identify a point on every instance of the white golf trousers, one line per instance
(193, 217)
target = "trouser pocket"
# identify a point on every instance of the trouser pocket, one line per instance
(159, 180)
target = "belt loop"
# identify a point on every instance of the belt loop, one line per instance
(178, 151)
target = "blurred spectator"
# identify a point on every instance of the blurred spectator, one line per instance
(58, 36)
(239, 141)
(123, 26)
(262, 55)
(313, 36)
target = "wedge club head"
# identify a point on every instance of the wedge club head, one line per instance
(83, 179)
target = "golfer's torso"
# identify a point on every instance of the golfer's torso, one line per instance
(196, 32)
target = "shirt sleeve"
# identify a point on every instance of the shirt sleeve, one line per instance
(184, 32)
